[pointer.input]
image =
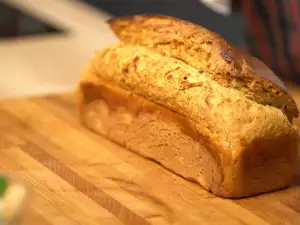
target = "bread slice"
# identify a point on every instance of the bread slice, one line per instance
(209, 52)
(167, 110)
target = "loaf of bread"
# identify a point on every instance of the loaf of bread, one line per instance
(176, 93)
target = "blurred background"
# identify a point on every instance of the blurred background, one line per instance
(14, 22)
(44, 44)
(230, 27)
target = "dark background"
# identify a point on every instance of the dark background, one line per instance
(230, 27)
(15, 23)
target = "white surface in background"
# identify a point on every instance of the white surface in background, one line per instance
(52, 63)
(220, 6)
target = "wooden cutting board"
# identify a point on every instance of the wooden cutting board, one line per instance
(81, 178)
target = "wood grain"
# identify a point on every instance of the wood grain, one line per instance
(81, 178)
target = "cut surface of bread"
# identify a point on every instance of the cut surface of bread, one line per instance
(168, 110)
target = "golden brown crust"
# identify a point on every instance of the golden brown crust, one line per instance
(154, 100)
(207, 52)
(181, 88)
(171, 139)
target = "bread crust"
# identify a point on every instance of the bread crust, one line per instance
(208, 52)
(182, 96)
(172, 140)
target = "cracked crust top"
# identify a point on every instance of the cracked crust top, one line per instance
(207, 52)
